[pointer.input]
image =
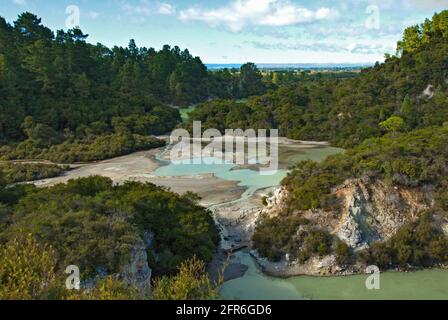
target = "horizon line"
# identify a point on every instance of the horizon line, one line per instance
(291, 63)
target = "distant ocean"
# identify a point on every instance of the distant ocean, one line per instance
(292, 66)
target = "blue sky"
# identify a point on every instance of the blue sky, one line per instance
(237, 31)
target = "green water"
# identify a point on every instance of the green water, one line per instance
(184, 113)
(421, 285)
(251, 179)
(427, 284)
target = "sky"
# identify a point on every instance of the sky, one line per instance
(238, 31)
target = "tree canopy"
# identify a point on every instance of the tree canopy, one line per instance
(393, 119)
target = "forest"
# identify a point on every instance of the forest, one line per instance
(395, 125)
(345, 112)
(66, 100)
(96, 225)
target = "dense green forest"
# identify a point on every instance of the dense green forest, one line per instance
(61, 95)
(20, 172)
(66, 100)
(407, 160)
(411, 85)
(94, 224)
(70, 86)
(394, 117)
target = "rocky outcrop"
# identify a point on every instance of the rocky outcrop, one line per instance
(375, 211)
(315, 266)
(369, 211)
(138, 272)
(276, 202)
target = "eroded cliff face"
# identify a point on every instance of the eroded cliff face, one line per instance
(276, 203)
(369, 212)
(138, 273)
(375, 211)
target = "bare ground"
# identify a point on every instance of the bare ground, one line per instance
(139, 166)
(236, 215)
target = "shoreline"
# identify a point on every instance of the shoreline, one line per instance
(140, 166)
(236, 216)
(235, 208)
(343, 275)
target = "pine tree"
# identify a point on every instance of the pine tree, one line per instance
(408, 112)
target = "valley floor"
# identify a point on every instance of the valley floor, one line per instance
(236, 208)
(140, 166)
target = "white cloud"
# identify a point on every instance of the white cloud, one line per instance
(431, 4)
(147, 8)
(20, 2)
(241, 13)
(166, 8)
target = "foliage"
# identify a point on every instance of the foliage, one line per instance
(421, 243)
(94, 224)
(410, 159)
(342, 252)
(251, 81)
(276, 236)
(317, 242)
(413, 159)
(190, 283)
(66, 100)
(26, 269)
(347, 111)
(108, 289)
(91, 148)
(418, 36)
(58, 85)
(21, 172)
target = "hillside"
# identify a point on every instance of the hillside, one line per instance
(383, 201)
(130, 232)
(65, 100)
(346, 112)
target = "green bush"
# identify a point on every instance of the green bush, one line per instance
(94, 224)
(91, 148)
(21, 172)
(421, 243)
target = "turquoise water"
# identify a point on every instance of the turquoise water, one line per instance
(254, 285)
(421, 285)
(247, 178)
(257, 286)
